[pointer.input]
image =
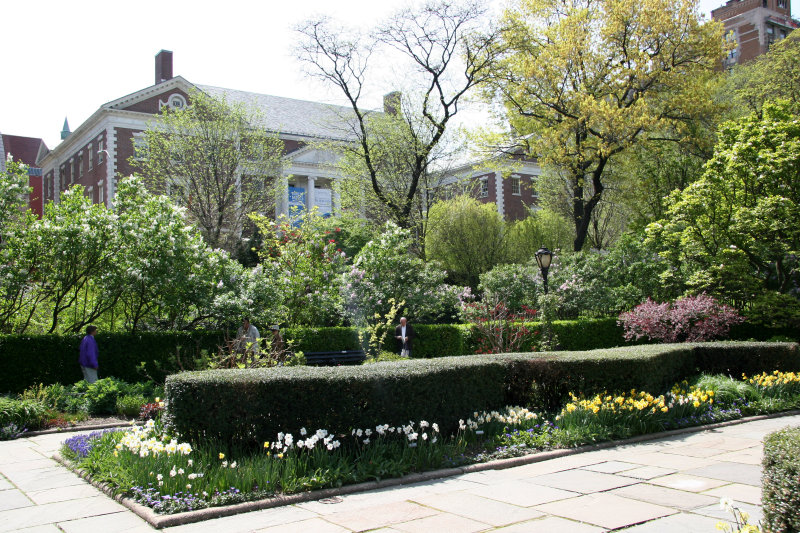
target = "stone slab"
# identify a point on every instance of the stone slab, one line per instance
(380, 516)
(315, 525)
(123, 522)
(606, 510)
(714, 511)
(550, 524)
(611, 467)
(583, 481)
(749, 456)
(679, 499)
(522, 493)
(478, 508)
(668, 460)
(738, 493)
(687, 482)
(677, 523)
(442, 522)
(648, 472)
(13, 499)
(50, 513)
(732, 472)
(62, 494)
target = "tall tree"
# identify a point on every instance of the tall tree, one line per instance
(395, 150)
(584, 80)
(213, 158)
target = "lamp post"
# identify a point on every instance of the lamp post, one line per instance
(543, 257)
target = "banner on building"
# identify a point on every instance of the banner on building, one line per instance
(323, 203)
(297, 204)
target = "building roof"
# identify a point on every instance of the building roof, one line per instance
(290, 116)
(25, 149)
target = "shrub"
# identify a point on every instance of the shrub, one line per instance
(692, 319)
(499, 329)
(265, 402)
(780, 491)
(130, 406)
(24, 414)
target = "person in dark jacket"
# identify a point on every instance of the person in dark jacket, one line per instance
(404, 334)
(88, 357)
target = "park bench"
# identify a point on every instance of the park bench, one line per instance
(335, 358)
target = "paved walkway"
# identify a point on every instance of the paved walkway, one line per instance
(667, 485)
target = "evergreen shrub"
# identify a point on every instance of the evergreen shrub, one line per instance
(780, 490)
(252, 406)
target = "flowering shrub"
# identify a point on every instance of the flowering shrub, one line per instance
(499, 329)
(384, 270)
(691, 319)
(306, 261)
(517, 286)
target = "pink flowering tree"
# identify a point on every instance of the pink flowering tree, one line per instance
(691, 319)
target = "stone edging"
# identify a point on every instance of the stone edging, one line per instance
(161, 521)
(76, 429)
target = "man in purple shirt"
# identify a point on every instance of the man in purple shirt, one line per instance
(88, 358)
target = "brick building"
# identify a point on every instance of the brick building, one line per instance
(98, 151)
(26, 150)
(512, 191)
(755, 25)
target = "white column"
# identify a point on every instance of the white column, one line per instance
(111, 164)
(310, 194)
(498, 188)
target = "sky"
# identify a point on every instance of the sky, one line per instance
(65, 59)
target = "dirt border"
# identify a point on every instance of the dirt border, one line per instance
(161, 521)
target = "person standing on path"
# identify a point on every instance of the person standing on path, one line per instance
(404, 334)
(247, 337)
(88, 357)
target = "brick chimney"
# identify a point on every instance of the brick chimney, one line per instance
(163, 66)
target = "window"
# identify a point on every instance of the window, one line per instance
(782, 4)
(100, 198)
(100, 153)
(91, 156)
(534, 192)
(79, 163)
(515, 188)
(484, 187)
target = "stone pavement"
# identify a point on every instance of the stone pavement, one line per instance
(671, 484)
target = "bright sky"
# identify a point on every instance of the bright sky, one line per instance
(67, 58)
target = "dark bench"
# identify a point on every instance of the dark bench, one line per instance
(342, 357)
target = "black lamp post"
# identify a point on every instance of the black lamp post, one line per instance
(543, 257)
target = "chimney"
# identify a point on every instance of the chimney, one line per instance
(163, 66)
(391, 102)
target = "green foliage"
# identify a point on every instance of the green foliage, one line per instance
(516, 285)
(384, 270)
(767, 78)
(350, 232)
(212, 157)
(467, 237)
(747, 239)
(644, 65)
(27, 414)
(48, 359)
(129, 405)
(199, 403)
(541, 227)
(780, 490)
(770, 309)
(304, 263)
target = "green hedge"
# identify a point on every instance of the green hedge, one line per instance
(252, 406)
(320, 339)
(30, 359)
(780, 490)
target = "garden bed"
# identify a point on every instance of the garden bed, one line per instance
(160, 521)
(151, 468)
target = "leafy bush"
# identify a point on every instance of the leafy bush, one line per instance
(692, 319)
(200, 403)
(385, 270)
(130, 406)
(780, 492)
(25, 414)
(515, 285)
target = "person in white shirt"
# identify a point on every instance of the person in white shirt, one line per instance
(247, 337)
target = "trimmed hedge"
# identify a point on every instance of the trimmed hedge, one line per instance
(31, 359)
(780, 490)
(252, 406)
